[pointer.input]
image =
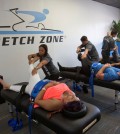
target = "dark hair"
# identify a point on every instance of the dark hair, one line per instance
(113, 32)
(84, 38)
(73, 106)
(45, 47)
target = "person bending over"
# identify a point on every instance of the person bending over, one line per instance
(109, 46)
(89, 56)
(46, 63)
(52, 95)
(107, 71)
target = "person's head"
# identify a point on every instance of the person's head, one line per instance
(84, 40)
(71, 102)
(73, 106)
(43, 50)
(113, 33)
(69, 96)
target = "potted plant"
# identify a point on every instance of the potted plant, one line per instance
(116, 27)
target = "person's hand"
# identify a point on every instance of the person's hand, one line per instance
(34, 71)
(50, 84)
(78, 50)
(83, 56)
(29, 57)
(107, 65)
(115, 48)
(31, 61)
(118, 73)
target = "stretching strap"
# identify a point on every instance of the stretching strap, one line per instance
(91, 79)
(17, 123)
(18, 98)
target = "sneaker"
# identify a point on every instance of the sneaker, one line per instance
(60, 67)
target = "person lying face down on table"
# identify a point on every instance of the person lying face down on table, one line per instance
(107, 71)
(52, 97)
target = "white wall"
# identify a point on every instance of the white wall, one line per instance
(74, 17)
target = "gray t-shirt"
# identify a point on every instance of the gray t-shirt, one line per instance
(108, 43)
(49, 68)
(92, 52)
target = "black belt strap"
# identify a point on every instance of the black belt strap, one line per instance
(18, 98)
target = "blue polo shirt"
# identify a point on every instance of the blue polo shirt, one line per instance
(110, 73)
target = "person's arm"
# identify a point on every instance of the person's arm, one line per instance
(100, 73)
(115, 64)
(115, 48)
(85, 54)
(78, 49)
(33, 58)
(40, 65)
(50, 84)
(88, 48)
(50, 104)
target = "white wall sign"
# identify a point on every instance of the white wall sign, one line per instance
(32, 32)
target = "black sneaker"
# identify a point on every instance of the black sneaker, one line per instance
(60, 67)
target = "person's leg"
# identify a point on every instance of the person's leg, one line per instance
(34, 79)
(32, 82)
(53, 77)
(69, 69)
(115, 56)
(79, 56)
(86, 64)
(4, 84)
(105, 57)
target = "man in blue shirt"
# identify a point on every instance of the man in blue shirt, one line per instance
(106, 71)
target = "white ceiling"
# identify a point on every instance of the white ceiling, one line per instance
(114, 3)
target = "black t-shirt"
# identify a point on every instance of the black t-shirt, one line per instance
(49, 68)
(92, 52)
(108, 43)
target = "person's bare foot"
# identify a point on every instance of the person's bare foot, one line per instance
(4, 84)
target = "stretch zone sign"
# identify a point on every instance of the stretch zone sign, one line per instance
(31, 34)
(6, 41)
